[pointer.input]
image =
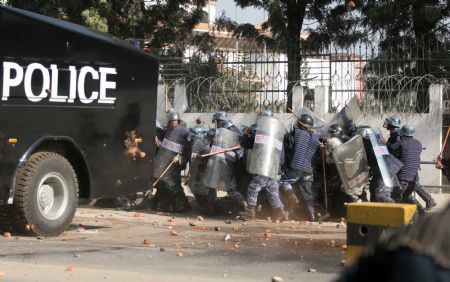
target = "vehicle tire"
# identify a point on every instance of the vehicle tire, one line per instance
(46, 194)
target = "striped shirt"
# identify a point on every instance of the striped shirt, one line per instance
(410, 150)
(306, 148)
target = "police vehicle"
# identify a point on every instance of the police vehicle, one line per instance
(77, 119)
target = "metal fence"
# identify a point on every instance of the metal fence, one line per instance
(248, 78)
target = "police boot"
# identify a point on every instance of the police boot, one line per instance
(311, 211)
(429, 201)
(181, 203)
(249, 213)
(279, 215)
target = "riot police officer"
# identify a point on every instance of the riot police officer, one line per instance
(226, 163)
(305, 153)
(261, 170)
(392, 124)
(222, 121)
(409, 151)
(174, 150)
(197, 165)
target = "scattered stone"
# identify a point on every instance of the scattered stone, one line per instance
(179, 254)
(76, 255)
(162, 249)
(344, 247)
(69, 268)
(342, 262)
(224, 275)
(191, 224)
(228, 221)
(146, 242)
(6, 234)
(40, 238)
(312, 270)
(332, 243)
(263, 244)
(216, 228)
(174, 233)
(169, 220)
(2, 274)
(227, 237)
(277, 279)
(200, 218)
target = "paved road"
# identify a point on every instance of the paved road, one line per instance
(109, 245)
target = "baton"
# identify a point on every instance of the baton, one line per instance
(220, 152)
(165, 171)
(307, 127)
(324, 180)
(445, 142)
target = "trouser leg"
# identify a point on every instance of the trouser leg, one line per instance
(309, 196)
(420, 190)
(273, 193)
(235, 194)
(253, 190)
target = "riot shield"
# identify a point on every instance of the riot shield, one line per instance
(351, 162)
(173, 143)
(267, 149)
(383, 158)
(350, 114)
(197, 167)
(220, 167)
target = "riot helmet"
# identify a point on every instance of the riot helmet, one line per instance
(252, 130)
(392, 121)
(407, 131)
(306, 120)
(173, 115)
(210, 135)
(266, 113)
(335, 130)
(220, 116)
(196, 132)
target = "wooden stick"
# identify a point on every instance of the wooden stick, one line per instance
(165, 171)
(307, 127)
(220, 152)
(445, 141)
(324, 179)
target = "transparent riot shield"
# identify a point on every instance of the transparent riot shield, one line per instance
(220, 167)
(350, 114)
(267, 149)
(383, 159)
(173, 143)
(351, 162)
(197, 167)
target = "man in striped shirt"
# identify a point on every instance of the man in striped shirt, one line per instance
(305, 152)
(409, 151)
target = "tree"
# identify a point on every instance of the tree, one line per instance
(282, 29)
(162, 22)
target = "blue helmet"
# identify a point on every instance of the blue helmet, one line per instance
(407, 130)
(196, 132)
(210, 135)
(252, 129)
(392, 121)
(220, 116)
(266, 113)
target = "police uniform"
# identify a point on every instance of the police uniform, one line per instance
(305, 153)
(409, 151)
(170, 195)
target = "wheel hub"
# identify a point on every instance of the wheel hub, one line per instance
(52, 195)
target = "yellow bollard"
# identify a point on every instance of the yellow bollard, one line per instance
(366, 221)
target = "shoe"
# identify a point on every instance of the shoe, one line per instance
(249, 213)
(279, 215)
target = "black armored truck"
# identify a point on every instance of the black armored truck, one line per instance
(77, 119)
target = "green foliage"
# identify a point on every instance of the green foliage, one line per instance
(167, 23)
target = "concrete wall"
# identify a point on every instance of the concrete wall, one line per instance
(428, 125)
